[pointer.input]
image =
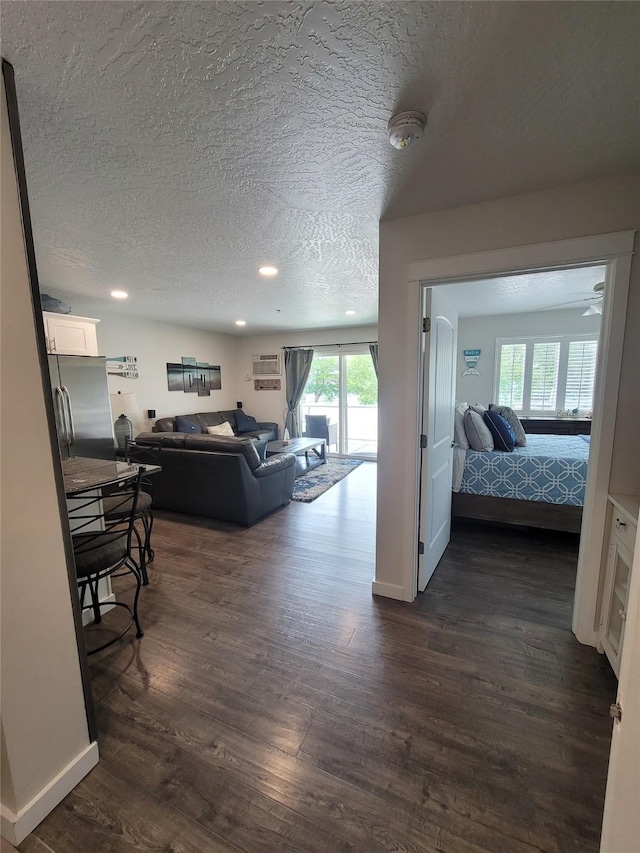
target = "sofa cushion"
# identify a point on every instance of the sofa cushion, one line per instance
(164, 425)
(149, 438)
(260, 445)
(224, 428)
(225, 444)
(245, 423)
(207, 419)
(183, 424)
(229, 415)
(173, 439)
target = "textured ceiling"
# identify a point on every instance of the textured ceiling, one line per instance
(519, 294)
(172, 148)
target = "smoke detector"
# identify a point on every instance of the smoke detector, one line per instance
(404, 128)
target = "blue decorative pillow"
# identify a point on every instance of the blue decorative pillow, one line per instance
(503, 436)
(245, 423)
(185, 425)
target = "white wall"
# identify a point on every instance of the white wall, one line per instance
(482, 332)
(154, 344)
(594, 207)
(44, 724)
(270, 405)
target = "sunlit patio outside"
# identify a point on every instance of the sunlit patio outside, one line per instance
(361, 409)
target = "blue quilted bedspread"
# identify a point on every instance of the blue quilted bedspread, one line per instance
(551, 469)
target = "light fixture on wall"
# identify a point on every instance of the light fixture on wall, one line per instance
(122, 426)
(269, 271)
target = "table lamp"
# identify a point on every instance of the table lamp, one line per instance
(122, 426)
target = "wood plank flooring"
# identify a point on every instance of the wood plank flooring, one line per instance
(275, 705)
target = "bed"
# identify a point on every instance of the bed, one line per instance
(540, 485)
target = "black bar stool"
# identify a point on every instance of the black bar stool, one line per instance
(107, 553)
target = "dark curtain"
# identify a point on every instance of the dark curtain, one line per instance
(297, 364)
(373, 349)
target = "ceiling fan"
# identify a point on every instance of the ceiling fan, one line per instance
(595, 306)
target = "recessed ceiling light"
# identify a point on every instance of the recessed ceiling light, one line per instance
(268, 271)
(119, 294)
(241, 322)
(349, 312)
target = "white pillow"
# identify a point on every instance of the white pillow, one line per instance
(221, 429)
(459, 435)
(478, 433)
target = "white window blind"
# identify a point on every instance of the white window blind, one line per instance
(539, 376)
(581, 375)
(511, 382)
(544, 376)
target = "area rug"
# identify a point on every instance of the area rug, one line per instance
(310, 486)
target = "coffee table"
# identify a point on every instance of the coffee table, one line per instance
(301, 447)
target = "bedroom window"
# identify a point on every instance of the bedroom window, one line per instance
(540, 376)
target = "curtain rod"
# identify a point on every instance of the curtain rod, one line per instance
(315, 346)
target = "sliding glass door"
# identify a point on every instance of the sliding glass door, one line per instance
(343, 388)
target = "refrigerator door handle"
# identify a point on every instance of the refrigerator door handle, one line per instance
(61, 415)
(72, 431)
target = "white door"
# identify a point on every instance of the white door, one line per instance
(621, 824)
(437, 425)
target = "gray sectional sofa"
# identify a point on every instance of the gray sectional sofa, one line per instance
(266, 430)
(216, 477)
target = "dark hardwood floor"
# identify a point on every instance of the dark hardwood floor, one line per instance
(275, 705)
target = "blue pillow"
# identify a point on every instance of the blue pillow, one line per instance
(245, 423)
(503, 436)
(185, 425)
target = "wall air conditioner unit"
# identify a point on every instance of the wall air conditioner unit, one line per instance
(266, 365)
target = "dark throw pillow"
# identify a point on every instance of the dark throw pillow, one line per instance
(245, 423)
(503, 436)
(514, 422)
(185, 425)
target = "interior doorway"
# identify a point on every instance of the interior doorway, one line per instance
(613, 253)
(527, 348)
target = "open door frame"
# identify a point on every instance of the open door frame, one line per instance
(615, 251)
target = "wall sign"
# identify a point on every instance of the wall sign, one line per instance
(123, 365)
(471, 357)
(266, 385)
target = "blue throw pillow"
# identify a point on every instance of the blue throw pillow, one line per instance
(185, 425)
(503, 436)
(245, 423)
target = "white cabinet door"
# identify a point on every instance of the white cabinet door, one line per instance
(623, 523)
(67, 335)
(616, 593)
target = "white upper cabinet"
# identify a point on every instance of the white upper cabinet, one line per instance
(69, 335)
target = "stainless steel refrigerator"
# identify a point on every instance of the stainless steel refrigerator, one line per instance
(82, 406)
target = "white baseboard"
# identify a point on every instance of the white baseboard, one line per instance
(388, 590)
(16, 827)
